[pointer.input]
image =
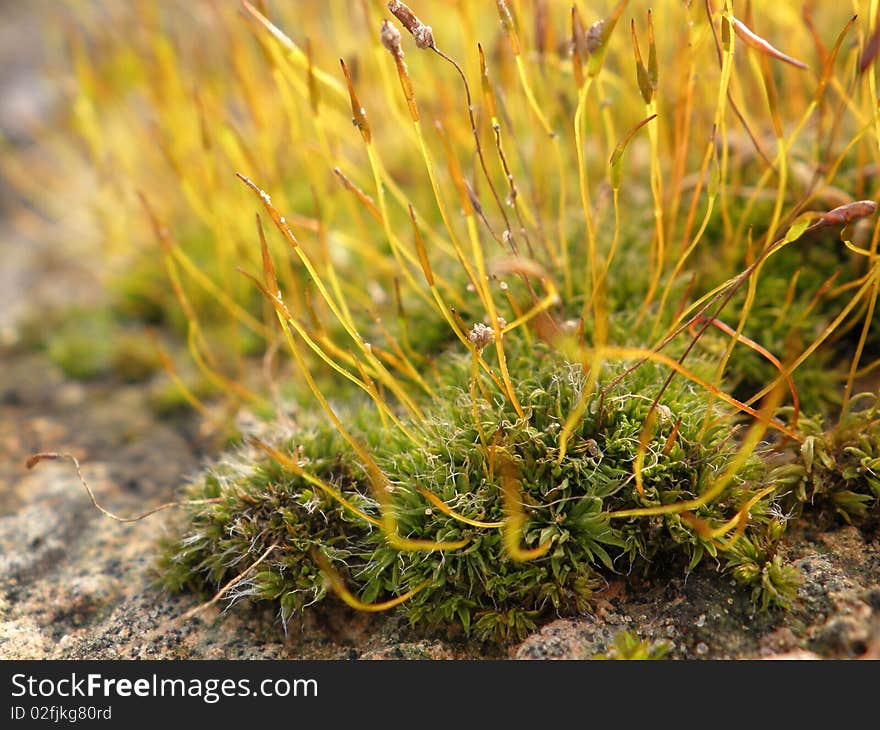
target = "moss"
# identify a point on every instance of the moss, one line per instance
(134, 357)
(835, 471)
(259, 504)
(82, 346)
(753, 561)
(88, 344)
(568, 504)
(628, 646)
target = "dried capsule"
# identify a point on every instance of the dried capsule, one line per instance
(750, 38)
(847, 213)
(390, 37)
(422, 33)
(506, 16)
(481, 335)
(594, 36)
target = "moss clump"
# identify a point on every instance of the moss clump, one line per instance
(567, 503)
(82, 346)
(753, 561)
(258, 503)
(836, 469)
(628, 646)
(470, 448)
(89, 343)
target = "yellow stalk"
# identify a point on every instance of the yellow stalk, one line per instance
(562, 246)
(382, 373)
(402, 360)
(397, 249)
(872, 253)
(380, 402)
(707, 216)
(220, 381)
(441, 206)
(229, 304)
(294, 53)
(608, 352)
(442, 306)
(781, 165)
(477, 249)
(645, 435)
(168, 365)
(583, 182)
(656, 179)
(378, 480)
